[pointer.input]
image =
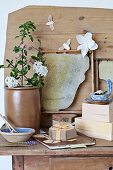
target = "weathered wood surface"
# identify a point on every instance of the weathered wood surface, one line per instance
(18, 162)
(36, 163)
(75, 21)
(81, 163)
(40, 150)
(64, 163)
(67, 163)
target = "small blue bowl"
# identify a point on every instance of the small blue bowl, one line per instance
(22, 135)
(20, 130)
(99, 97)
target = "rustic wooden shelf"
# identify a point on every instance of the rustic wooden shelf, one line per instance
(62, 51)
(103, 59)
(59, 51)
(63, 111)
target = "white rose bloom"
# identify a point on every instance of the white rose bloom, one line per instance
(44, 71)
(11, 82)
(40, 69)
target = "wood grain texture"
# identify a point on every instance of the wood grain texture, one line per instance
(40, 150)
(36, 163)
(89, 163)
(18, 162)
(75, 21)
(92, 71)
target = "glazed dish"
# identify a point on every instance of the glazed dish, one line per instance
(22, 134)
(100, 95)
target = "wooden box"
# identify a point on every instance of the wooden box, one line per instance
(95, 129)
(62, 134)
(97, 112)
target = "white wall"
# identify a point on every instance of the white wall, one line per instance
(7, 6)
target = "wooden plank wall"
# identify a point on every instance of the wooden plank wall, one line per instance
(69, 22)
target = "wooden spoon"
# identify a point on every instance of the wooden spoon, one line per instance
(10, 127)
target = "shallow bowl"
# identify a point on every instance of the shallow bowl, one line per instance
(98, 97)
(23, 135)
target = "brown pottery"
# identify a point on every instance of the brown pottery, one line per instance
(22, 106)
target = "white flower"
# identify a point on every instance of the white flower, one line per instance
(43, 71)
(40, 69)
(86, 43)
(66, 45)
(11, 82)
(36, 66)
(50, 22)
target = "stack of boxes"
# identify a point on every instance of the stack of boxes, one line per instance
(96, 121)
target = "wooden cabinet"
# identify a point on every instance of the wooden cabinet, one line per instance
(32, 162)
(88, 163)
(38, 157)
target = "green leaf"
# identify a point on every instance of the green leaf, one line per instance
(34, 58)
(21, 26)
(31, 28)
(24, 57)
(17, 78)
(31, 37)
(21, 62)
(16, 65)
(11, 61)
(17, 37)
(35, 75)
(17, 49)
(11, 74)
(39, 55)
(1, 66)
(25, 52)
(8, 60)
(29, 67)
(34, 27)
(22, 30)
(9, 65)
(23, 72)
(39, 41)
(15, 70)
(29, 23)
(40, 85)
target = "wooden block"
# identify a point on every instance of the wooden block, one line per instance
(62, 134)
(95, 129)
(97, 112)
(63, 118)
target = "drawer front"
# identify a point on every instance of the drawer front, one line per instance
(36, 163)
(88, 163)
(67, 163)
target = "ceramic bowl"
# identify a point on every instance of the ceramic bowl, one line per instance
(99, 97)
(23, 135)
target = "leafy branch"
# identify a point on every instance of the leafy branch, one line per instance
(21, 66)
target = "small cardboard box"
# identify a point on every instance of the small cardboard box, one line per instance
(62, 134)
(102, 130)
(97, 112)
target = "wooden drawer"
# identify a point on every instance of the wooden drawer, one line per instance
(36, 163)
(67, 163)
(88, 163)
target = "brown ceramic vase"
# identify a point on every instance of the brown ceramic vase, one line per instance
(22, 106)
